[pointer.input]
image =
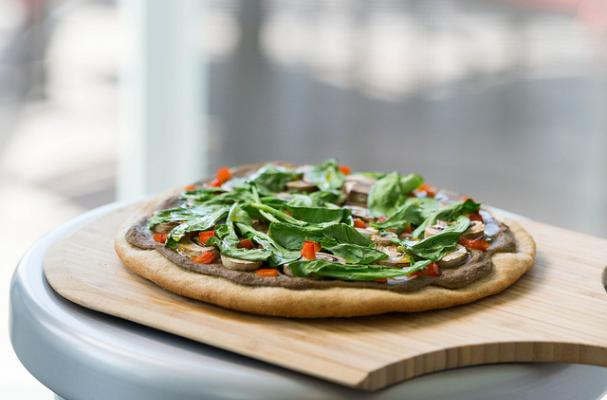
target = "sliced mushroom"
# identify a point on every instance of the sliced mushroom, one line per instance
(330, 257)
(368, 231)
(357, 188)
(301, 186)
(165, 226)
(284, 196)
(438, 227)
(239, 265)
(396, 258)
(360, 212)
(455, 258)
(476, 230)
(191, 249)
(384, 238)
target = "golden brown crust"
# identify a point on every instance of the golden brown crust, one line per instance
(318, 303)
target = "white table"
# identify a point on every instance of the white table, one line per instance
(82, 354)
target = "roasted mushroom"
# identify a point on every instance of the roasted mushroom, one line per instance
(301, 186)
(238, 264)
(396, 258)
(476, 230)
(454, 258)
(357, 188)
(191, 249)
(438, 227)
(368, 231)
(359, 212)
(384, 238)
(330, 257)
(164, 227)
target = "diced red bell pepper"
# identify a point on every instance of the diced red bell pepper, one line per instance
(208, 257)
(475, 217)
(345, 169)
(246, 244)
(215, 183)
(475, 244)
(267, 272)
(204, 237)
(190, 187)
(160, 237)
(359, 223)
(223, 174)
(429, 190)
(309, 249)
(431, 270)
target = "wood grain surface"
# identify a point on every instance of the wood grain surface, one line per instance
(555, 313)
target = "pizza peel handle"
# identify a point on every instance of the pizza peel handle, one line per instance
(555, 313)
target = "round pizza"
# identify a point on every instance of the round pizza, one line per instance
(322, 241)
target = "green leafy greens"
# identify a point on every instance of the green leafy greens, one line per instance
(259, 207)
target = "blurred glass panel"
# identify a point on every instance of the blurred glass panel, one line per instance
(502, 100)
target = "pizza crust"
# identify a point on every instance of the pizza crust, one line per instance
(319, 303)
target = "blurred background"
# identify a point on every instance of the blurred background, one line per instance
(106, 100)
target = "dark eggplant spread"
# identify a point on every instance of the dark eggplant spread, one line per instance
(477, 264)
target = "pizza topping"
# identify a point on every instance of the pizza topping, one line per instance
(475, 217)
(384, 234)
(431, 270)
(427, 190)
(475, 231)
(208, 257)
(267, 272)
(204, 237)
(475, 244)
(160, 237)
(357, 188)
(396, 256)
(239, 265)
(454, 258)
(359, 223)
(309, 249)
(301, 186)
(246, 244)
(344, 169)
(223, 174)
(359, 212)
(438, 227)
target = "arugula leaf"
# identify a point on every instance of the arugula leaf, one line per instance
(389, 193)
(326, 176)
(436, 246)
(343, 233)
(227, 240)
(292, 237)
(356, 254)
(274, 215)
(447, 214)
(197, 222)
(351, 272)
(319, 215)
(273, 179)
(280, 255)
(414, 211)
(410, 182)
(321, 198)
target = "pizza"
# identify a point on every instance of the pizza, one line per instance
(320, 240)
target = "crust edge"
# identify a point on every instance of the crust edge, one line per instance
(318, 303)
